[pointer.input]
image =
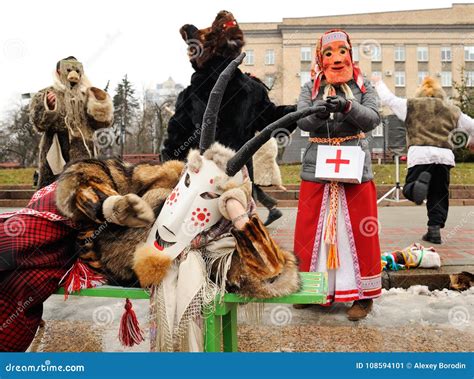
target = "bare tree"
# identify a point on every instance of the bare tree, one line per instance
(19, 141)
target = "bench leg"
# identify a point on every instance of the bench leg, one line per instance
(229, 325)
(213, 333)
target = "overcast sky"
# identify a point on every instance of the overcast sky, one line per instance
(135, 37)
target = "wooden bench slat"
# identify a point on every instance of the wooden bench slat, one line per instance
(310, 292)
(110, 291)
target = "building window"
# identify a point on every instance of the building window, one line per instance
(306, 54)
(469, 53)
(378, 131)
(399, 53)
(446, 79)
(422, 53)
(445, 54)
(270, 57)
(421, 76)
(376, 53)
(469, 78)
(249, 58)
(399, 78)
(355, 53)
(305, 77)
(304, 134)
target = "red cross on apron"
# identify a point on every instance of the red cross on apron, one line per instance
(338, 161)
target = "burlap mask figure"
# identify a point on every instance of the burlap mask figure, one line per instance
(67, 114)
(70, 72)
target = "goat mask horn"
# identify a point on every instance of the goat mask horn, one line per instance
(209, 120)
(250, 148)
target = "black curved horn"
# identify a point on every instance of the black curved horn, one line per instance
(250, 148)
(209, 120)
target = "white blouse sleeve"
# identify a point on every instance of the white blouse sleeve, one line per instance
(466, 123)
(396, 104)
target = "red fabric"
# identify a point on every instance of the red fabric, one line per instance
(35, 252)
(362, 204)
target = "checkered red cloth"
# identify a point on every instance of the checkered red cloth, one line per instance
(36, 250)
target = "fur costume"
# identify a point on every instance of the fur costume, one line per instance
(68, 128)
(266, 170)
(430, 107)
(246, 107)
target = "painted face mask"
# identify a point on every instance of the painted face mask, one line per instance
(70, 72)
(336, 58)
(333, 62)
(190, 209)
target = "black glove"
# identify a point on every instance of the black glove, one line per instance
(324, 114)
(336, 104)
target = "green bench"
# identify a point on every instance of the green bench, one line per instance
(221, 323)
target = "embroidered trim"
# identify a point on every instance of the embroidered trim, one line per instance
(350, 234)
(42, 192)
(317, 240)
(370, 284)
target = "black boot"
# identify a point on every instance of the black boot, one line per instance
(273, 215)
(433, 235)
(420, 188)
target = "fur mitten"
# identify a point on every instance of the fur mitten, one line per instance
(242, 193)
(129, 210)
(99, 105)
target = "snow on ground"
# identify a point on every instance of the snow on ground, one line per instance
(414, 319)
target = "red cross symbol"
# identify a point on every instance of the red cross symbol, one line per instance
(338, 161)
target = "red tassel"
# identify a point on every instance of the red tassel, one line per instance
(80, 276)
(130, 333)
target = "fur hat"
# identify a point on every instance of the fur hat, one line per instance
(224, 39)
(430, 88)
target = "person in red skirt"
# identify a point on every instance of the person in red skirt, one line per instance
(337, 225)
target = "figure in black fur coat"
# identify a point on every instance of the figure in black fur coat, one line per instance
(246, 107)
(67, 114)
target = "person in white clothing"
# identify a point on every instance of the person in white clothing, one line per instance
(434, 127)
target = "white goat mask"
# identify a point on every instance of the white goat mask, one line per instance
(190, 209)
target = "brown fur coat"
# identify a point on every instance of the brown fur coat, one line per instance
(259, 267)
(77, 114)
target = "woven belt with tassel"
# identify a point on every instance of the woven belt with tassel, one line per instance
(330, 230)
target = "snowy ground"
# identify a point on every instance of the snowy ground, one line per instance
(402, 320)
